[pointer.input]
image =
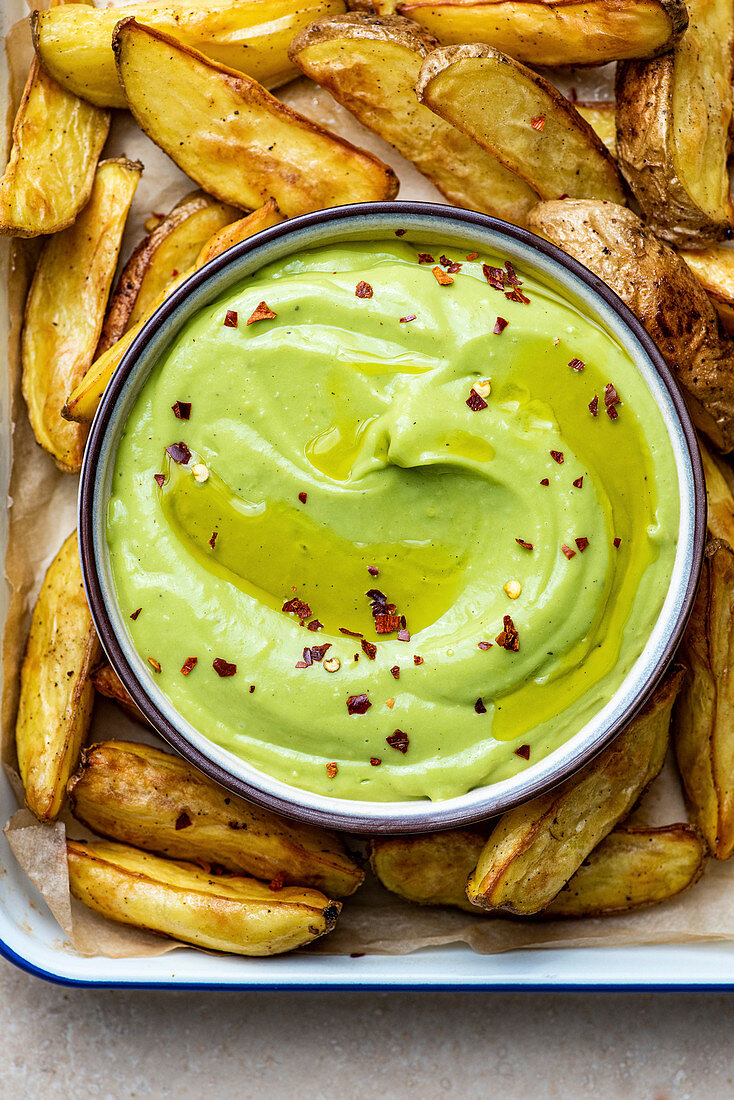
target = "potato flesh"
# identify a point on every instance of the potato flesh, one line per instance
(536, 848)
(57, 140)
(371, 67)
(56, 695)
(519, 117)
(719, 495)
(153, 800)
(65, 309)
(601, 116)
(714, 269)
(75, 44)
(237, 915)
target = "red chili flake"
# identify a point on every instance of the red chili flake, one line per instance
(525, 545)
(179, 452)
(557, 456)
(441, 277)
(523, 751)
(403, 635)
(398, 740)
(262, 312)
(222, 667)
(318, 651)
(351, 633)
(577, 364)
(375, 761)
(516, 295)
(189, 665)
(252, 688)
(373, 570)
(390, 702)
(500, 325)
(611, 397)
(404, 320)
(358, 704)
(484, 645)
(578, 482)
(136, 613)
(315, 625)
(303, 497)
(495, 276)
(182, 410)
(307, 659)
(364, 290)
(386, 624)
(594, 405)
(612, 413)
(356, 656)
(417, 660)
(297, 607)
(182, 821)
(278, 882)
(582, 544)
(509, 638)
(213, 539)
(395, 672)
(512, 276)
(302, 664)
(617, 544)
(332, 769)
(451, 265)
(568, 551)
(231, 319)
(538, 122)
(159, 479)
(155, 665)
(479, 706)
(544, 481)
(475, 401)
(472, 256)
(369, 649)
(425, 258)
(174, 273)
(400, 232)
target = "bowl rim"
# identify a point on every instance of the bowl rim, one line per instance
(438, 815)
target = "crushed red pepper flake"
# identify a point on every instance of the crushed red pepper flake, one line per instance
(252, 688)
(568, 551)
(298, 607)
(404, 320)
(387, 624)
(356, 656)
(262, 312)
(512, 278)
(179, 452)
(612, 413)
(351, 633)
(318, 651)
(544, 481)
(538, 122)
(373, 570)
(136, 613)
(315, 624)
(213, 539)
(364, 290)
(332, 769)
(395, 672)
(160, 479)
(231, 319)
(452, 266)
(472, 256)
(441, 277)
(582, 544)
(617, 543)
(611, 399)
(189, 665)
(277, 882)
(400, 232)
(369, 649)
(403, 635)
(577, 364)
(390, 702)
(425, 258)
(516, 295)
(557, 456)
(499, 326)
(182, 821)
(484, 645)
(523, 751)
(475, 401)
(525, 545)
(182, 410)
(417, 660)
(358, 704)
(495, 276)
(594, 405)
(509, 638)
(479, 706)
(375, 761)
(303, 497)
(222, 667)
(398, 740)
(578, 482)
(155, 665)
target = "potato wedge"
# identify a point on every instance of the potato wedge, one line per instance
(704, 714)
(57, 140)
(719, 495)
(520, 118)
(56, 695)
(82, 403)
(431, 868)
(108, 683)
(658, 287)
(223, 913)
(673, 118)
(601, 115)
(370, 65)
(556, 32)
(235, 139)
(172, 247)
(153, 800)
(75, 44)
(65, 309)
(714, 269)
(535, 849)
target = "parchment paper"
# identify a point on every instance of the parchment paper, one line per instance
(42, 512)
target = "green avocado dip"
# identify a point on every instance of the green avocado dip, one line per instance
(389, 524)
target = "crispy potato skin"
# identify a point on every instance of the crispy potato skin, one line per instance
(493, 100)
(82, 402)
(370, 64)
(234, 914)
(235, 139)
(535, 849)
(714, 269)
(704, 729)
(661, 291)
(108, 683)
(65, 309)
(56, 695)
(57, 140)
(153, 800)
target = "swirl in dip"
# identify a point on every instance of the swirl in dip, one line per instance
(356, 491)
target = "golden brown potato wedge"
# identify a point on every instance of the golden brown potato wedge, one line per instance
(534, 849)
(108, 683)
(235, 139)
(714, 269)
(219, 912)
(56, 695)
(601, 115)
(57, 140)
(673, 118)
(661, 290)
(430, 869)
(153, 800)
(556, 32)
(704, 714)
(65, 309)
(370, 65)
(520, 118)
(75, 44)
(719, 495)
(169, 249)
(83, 401)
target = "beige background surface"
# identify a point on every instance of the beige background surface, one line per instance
(57, 1043)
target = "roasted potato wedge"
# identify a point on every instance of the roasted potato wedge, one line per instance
(56, 695)
(235, 139)
(172, 247)
(82, 403)
(65, 309)
(534, 849)
(75, 43)
(661, 290)
(601, 115)
(556, 32)
(520, 118)
(719, 495)
(370, 65)
(430, 869)
(57, 140)
(704, 714)
(108, 683)
(714, 269)
(142, 796)
(673, 118)
(219, 912)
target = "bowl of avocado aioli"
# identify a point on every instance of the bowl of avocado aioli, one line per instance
(391, 517)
